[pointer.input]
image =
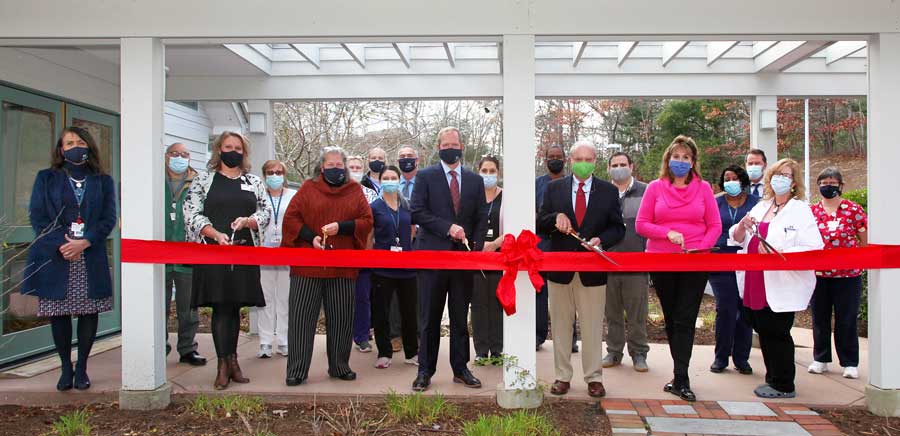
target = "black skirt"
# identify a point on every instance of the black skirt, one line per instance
(228, 284)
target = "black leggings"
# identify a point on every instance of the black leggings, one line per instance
(226, 326)
(61, 328)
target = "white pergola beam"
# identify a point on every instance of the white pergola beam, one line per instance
(625, 49)
(841, 50)
(715, 50)
(578, 52)
(760, 47)
(252, 57)
(671, 49)
(786, 54)
(357, 52)
(308, 52)
(264, 49)
(450, 51)
(403, 52)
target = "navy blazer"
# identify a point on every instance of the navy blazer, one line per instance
(47, 272)
(432, 209)
(603, 219)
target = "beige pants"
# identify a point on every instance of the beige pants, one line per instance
(589, 303)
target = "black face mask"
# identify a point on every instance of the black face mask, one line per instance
(376, 166)
(556, 165)
(77, 155)
(450, 156)
(232, 158)
(407, 164)
(830, 191)
(334, 176)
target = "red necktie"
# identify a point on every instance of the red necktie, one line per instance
(580, 204)
(454, 191)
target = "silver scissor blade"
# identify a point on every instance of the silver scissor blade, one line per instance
(593, 248)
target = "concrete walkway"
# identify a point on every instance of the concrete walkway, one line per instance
(267, 378)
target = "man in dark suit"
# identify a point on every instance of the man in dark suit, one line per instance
(448, 206)
(590, 207)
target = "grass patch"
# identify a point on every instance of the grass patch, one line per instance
(709, 319)
(73, 424)
(519, 423)
(418, 408)
(227, 406)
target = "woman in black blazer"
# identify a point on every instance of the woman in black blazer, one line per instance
(72, 212)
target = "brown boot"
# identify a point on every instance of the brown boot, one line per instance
(234, 370)
(221, 374)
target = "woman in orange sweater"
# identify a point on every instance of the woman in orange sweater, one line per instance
(328, 212)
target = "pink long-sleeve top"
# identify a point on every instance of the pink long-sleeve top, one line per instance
(690, 210)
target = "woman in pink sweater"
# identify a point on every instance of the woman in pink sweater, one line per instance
(679, 212)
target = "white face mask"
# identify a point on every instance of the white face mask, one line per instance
(781, 184)
(356, 176)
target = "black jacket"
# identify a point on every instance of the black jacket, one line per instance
(432, 209)
(603, 219)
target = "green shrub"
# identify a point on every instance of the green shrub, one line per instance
(858, 196)
(73, 424)
(519, 423)
(861, 197)
(418, 408)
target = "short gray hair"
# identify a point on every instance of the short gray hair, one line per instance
(583, 144)
(332, 150)
(415, 151)
(449, 129)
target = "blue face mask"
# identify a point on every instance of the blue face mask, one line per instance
(781, 184)
(390, 186)
(178, 165)
(490, 180)
(77, 155)
(274, 181)
(754, 171)
(679, 168)
(732, 188)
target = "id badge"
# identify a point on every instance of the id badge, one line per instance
(490, 233)
(833, 225)
(276, 237)
(77, 230)
(246, 187)
(396, 249)
(172, 216)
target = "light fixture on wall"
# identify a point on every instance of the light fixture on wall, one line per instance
(768, 119)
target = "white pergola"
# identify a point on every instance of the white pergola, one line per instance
(259, 52)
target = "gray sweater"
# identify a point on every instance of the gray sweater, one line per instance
(631, 202)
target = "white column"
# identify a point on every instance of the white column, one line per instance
(261, 133)
(764, 125)
(883, 393)
(518, 200)
(142, 105)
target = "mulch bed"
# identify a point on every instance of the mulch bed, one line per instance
(301, 418)
(858, 421)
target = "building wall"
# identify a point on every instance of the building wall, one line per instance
(191, 127)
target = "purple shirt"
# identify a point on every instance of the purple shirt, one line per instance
(754, 281)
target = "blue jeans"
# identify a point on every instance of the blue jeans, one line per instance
(733, 334)
(362, 313)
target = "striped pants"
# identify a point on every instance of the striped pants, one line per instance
(307, 297)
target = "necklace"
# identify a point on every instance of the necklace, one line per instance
(778, 206)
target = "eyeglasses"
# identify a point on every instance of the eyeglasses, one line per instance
(184, 154)
(788, 175)
(274, 173)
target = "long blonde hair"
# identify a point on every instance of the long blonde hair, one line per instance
(799, 189)
(215, 161)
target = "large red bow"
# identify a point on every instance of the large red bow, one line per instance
(518, 254)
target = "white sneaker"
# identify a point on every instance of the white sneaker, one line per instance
(265, 351)
(851, 372)
(412, 361)
(282, 350)
(383, 363)
(818, 367)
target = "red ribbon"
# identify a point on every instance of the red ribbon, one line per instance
(519, 254)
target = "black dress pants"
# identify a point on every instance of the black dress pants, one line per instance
(680, 294)
(777, 345)
(384, 291)
(437, 288)
(841, 295)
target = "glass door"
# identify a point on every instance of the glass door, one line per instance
(29, 127)
(105, 130)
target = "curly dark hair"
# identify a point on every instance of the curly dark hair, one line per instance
(741, 174)
(93, 163)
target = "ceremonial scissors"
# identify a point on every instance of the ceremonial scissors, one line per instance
(594, 248)
(465, 243)
(699, 250)
(754, 230)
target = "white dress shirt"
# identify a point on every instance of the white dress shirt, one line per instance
(458, 170)
(587, 190)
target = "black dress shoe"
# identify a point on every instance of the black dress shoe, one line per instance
(683, 392)
(718, 367)
(421, 383)
(65, 379)
(294, 381)
(744, 369)
(349, 376)
(193, 358)
(82, 381)
(467, 379)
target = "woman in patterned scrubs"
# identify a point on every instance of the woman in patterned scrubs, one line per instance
(843, 224)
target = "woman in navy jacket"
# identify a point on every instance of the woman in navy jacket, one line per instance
(72, 212)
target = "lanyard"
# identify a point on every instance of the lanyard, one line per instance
(78, 187)
(732, 214)
(395, 220)
(277, 208)
(490, 209)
